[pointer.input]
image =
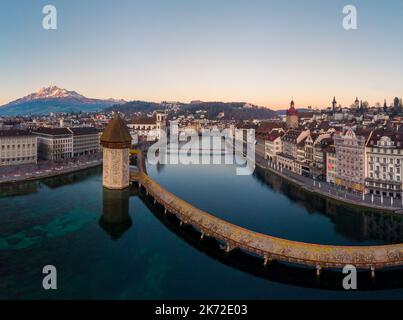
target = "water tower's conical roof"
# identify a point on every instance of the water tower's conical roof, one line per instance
(116, 134)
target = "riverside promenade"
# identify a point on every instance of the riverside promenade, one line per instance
(46, 169)
(324, 189)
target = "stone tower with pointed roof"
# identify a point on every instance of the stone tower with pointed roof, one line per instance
(116, 142)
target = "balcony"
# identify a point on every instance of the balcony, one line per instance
(381, 181)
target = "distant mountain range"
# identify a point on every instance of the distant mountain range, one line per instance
(55, 99)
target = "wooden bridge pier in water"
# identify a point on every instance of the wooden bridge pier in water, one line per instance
(269, 248)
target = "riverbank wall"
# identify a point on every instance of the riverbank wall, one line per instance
(326, 195)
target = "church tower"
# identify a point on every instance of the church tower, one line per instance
(116, 142)
(356, 104)
(334, 105)
(292, 117)
(161, 122)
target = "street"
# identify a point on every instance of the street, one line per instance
(333, 191)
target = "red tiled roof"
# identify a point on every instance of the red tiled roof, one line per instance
(273, 136)
(144, 120)
(266, 127)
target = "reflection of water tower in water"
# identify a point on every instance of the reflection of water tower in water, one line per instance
(115, 219)
(116, 142)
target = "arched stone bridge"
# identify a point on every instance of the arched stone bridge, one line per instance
(268, 247)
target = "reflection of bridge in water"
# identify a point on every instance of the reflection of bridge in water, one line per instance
(276, 271)
(358, 224)
(267, 247)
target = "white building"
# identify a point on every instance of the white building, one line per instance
(273, 145)
(54, 143)
(384, 158)
(147, 128)
(85, 141)
(17, 147)
(350, 152)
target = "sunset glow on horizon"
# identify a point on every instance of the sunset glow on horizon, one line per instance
(260, 52)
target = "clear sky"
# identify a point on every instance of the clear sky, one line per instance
(259, 51)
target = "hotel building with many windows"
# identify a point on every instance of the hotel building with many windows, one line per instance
(384, 157)
(350, 160)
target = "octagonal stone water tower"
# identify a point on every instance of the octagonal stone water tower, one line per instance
(116, 142)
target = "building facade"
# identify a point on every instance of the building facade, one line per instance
(17, 147)
(331, 164)
(273, 146)
(350, 160)
(384, 158)
(287, 159)
(85, 141)
(54, 143)
(147, 128)
(320, 149)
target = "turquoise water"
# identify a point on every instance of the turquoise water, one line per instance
(110, 245)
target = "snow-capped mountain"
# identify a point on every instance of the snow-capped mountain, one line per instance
(55, 99)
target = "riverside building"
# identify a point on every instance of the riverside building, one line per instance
(66, 143)
(350, 160)
(384, 157)
(273, 145)
(85, 141)
(54, 143)
(17, 147)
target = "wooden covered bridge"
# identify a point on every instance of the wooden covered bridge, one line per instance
(268, 247)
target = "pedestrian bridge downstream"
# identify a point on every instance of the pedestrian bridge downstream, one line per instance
(268, 247)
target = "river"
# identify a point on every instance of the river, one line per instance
(115, 245)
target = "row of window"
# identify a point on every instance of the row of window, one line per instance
(12, 160)
(382, 185)
(384, 169)
(15, 154)
(18, 146)
(384, 176)
(384, 160)
(388, 151)
(351, 173)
